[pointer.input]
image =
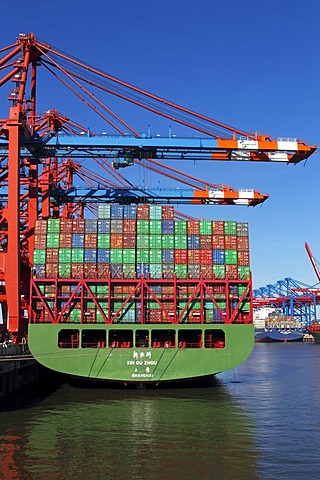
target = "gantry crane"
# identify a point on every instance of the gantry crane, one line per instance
(38, 152)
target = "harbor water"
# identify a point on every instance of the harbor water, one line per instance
(259, 421)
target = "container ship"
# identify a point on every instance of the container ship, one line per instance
(270, 326)
(314, 330)
(137, 296)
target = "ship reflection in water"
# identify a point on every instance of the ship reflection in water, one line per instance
(139, 434)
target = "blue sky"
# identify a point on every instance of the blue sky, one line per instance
(251, 64)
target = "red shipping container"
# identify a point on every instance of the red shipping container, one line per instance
(66, 225)
(194, 257)
(41, 227)
(52, 255)
(51, 270)
(205, 257)
(218, 227)
(116, 240)
(193, 227)
(90, 270)
(128, 241)
(90, 240)
(205, 242)
(103, 270)
(181, 256)
(218, 289)
(40, 241)
(65, 240)
(78, 225)
(218, 242)
(129, 226)
(243, 258)
(183, 290)
(206, 271)
(76, 270)
(142, 212)
(230, 242)
(155, 316)
(243, 243)
(232, 271)
(167, 212)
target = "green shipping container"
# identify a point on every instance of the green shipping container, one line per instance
(155, 241)
(243, 272)
(180, 270)
(230, 227)
(143, 241)
(77, 255)
(168, 241)
(64, 255)
(180, 242)
(155, 255)
(116, 255)
(53, 225)
(143, 227)
(231, 257)
(155, 226)
(180, 227)
(103, 240)
(39, 257)
(53, 240)
(102, 290)
(155, 269)
(219, 271)
(75, 315)
(205, 227)
(129, 255)
(64, 270)
(129, 270)
(155, 212)
(143, 256)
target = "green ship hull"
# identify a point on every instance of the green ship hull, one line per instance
(134, 363)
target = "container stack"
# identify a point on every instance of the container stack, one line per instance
(129, 241)
(134, 241)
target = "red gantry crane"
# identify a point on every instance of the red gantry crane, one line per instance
(41, 156)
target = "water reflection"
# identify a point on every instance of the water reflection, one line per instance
(200, 433)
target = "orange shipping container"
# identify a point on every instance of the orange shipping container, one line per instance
(116, 240)
(193, 227)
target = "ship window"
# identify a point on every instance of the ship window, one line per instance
(215, 339)
(190, 338)
(68, 338)
(142, 338)
(163, 338)
(120, 338)
(93, 339)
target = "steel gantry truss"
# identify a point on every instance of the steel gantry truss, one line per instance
(37, 152)
(292, 297)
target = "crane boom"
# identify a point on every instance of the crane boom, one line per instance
(313, 261)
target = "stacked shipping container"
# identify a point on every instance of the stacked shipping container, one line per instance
(129, 241)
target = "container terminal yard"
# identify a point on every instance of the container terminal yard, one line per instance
(106, 281)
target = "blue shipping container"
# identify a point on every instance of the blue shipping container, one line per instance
(218, 257)
(103, 255)
(77, 240)
(90, 255)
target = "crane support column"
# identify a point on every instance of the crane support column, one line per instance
(12, 270)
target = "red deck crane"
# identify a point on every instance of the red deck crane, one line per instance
(313, 261)
(40, 145)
